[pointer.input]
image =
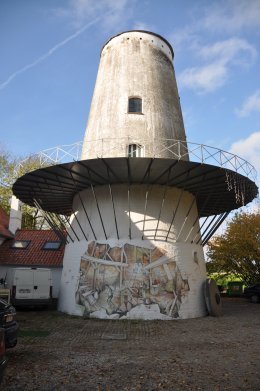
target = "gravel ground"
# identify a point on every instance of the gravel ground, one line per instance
(64, 353)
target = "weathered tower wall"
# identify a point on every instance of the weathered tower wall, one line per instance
(133, 64)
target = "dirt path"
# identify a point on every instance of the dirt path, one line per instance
(63, 353)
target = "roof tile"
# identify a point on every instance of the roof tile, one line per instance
(33, 255)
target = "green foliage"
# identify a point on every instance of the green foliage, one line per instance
(224, 278)
(237, 251)
(11, 169)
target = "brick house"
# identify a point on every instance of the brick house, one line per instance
(29, 248)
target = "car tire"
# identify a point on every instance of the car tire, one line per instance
(254, 299)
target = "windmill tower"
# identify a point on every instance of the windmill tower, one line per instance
(135, 98)
(134, 243)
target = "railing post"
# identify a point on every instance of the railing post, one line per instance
(154, 147)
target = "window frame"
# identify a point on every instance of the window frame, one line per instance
(138, 102)
(137, 152)
(27, 243)
(52, 249)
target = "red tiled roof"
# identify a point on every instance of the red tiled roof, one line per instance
(33, 255)
(4, 223)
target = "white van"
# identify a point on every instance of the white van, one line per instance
(31, 286)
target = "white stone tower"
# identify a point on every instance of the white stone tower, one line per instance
(132, 204)
(140, 255)
(135, 97)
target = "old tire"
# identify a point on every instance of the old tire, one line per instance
(212, 298)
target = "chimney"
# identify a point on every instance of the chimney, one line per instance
(15, 221)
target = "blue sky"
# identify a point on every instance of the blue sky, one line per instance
(50, 51)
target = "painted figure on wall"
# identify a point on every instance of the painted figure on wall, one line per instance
(119, 282)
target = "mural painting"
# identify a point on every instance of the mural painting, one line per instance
(129, 282)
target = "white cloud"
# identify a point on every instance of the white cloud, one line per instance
(233, 50)
(232, 16)
(249, 149)
(252, 103)
(184, 38)
(223, 16)
(214, 63)
(222, 56)
(81, 11)
(204, 79)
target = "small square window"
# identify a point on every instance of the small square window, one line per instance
(135, 105)
(20, 244)
(51, 245)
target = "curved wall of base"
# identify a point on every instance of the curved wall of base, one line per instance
(121, 268)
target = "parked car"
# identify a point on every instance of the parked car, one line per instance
(253, 293)
(8, 323)
(3, 360)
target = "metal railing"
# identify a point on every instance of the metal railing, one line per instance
(157, 148)
(56, 155)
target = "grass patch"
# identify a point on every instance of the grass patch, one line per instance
(33, 333)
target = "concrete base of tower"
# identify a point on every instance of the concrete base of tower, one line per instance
(133, 279)
(135, 255)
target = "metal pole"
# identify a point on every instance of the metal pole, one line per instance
(210, 223)
(112, 199)
(79, 225)
(84, 209)
(198, 232)
(50, 222)
(102, 223)
(174, 213)
(197, 218)
(87, 216)
(72, 228)
(211, 233)
(162, 203)
(63, 225)
(186, 217)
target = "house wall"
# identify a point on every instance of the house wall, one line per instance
(15, 220)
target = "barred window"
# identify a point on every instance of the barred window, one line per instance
(135, 150)
(135, 105)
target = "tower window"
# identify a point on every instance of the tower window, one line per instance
(135, 105)
(135, 150)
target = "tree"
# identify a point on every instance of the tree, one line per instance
(10, 169)
(237, 251)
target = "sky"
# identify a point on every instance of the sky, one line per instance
(49, 51)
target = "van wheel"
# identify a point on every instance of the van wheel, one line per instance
(254, 299)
